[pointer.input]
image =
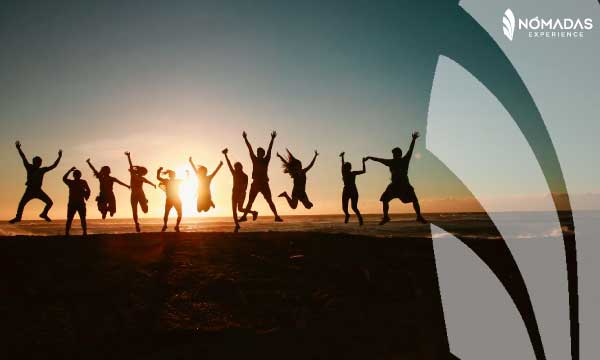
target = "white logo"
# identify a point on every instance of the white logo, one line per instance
(508, 21)
(537, 27)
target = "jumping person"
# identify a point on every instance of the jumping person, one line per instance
(400, 187)
(350, 192)
(35, 178)
(171, 188)
(79, 192)
(238, 192)
(293, 167)
(204, 201)
(260, 178)
(136, 183)
(106, 199)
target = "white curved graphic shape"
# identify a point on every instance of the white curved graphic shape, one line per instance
(475, 137)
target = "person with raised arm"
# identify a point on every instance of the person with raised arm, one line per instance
(238, 191)
(171, 188)
(293, 167)
(350, 192)
(204, 201)
(260, 178)
(79, 192)
(400, 187)
(35, 178)
(136, 183)
(107, 204)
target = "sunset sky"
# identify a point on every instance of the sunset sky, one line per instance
(173, 79)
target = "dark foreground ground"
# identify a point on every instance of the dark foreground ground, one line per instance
(218, 295)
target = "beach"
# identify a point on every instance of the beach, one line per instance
(314, 293)
(217, 295)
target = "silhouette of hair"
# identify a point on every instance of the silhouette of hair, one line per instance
(397, 152)
(260, 152)
(77, 174)
(292, 166)
(238, 166)
(170, 173)
(140, 170)
(104, 171)
(37, 161)
(347, 167)
(202, 170)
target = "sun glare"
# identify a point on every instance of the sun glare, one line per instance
(187, 190)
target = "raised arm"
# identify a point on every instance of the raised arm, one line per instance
(342, 157)
(227, 159)
(22, 154)
(89, 162)
(273, 135)
(66, 175)
(216, 170)
(148, 182)
(160, 178)
(364, 168)
(415, 136)
(193, 165)
(128, 154)
(120, 182)
(312, 163)
(385, 162)
(55, 163)
(245, 136)
(282, 158)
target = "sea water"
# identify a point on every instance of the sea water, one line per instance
(524, 224)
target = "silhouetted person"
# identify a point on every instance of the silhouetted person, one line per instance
(350, 192)
(400, 187)
(107, 204)
(35, 178)
(171, 188)
(136, 183)
(260, 178)
(238, 192)
(79, 192)
(204, 201)
(293, 167)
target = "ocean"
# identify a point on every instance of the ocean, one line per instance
(514, 224)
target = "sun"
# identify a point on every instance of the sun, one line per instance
(187, 190)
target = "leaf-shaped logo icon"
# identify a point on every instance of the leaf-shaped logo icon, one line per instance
(508, 24)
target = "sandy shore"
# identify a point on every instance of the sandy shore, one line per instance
(218, 295)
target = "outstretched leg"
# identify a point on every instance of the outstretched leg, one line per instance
(241, 208)
(70, 215)
(112, 204)
(27, 196)
(345, 200)
(46, 199)
(251, 198)
(266, 191)
(293, 202)
(168, 206)
(306, 201)
(179, 215)
(82, 217)
(235, 205)
(134, 211)
(354, 200)
(386, 210)
(420, 217)
(102, 206)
